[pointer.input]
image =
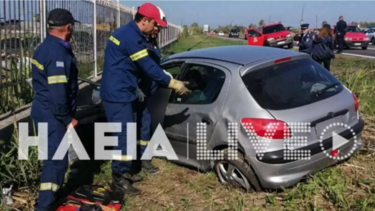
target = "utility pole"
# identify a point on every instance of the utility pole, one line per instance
(269, 19)
(316, 26)
(303, 9)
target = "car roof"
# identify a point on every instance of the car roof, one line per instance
(238, 54)
(271, 24)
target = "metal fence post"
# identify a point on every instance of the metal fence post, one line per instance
(118, 14)
(95, 41)
(44, 19)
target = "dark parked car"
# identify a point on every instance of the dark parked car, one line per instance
(234, 33)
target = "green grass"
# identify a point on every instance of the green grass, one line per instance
(348, 186)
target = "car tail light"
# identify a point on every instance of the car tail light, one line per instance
(282, 60)
(356, 106)
(267, 128)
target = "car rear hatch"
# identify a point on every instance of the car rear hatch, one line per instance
(303, 94)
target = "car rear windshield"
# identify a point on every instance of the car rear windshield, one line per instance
(253, 33)
(273, 28)
(290, 85)
(234, 30)
(353, 29)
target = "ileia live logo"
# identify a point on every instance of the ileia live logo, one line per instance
(260, 134)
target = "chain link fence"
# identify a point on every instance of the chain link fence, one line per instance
(23, 26)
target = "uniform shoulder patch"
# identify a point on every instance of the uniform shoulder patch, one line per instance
(59, 64)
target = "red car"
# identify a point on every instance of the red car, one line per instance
(354, 37)
(276, 35)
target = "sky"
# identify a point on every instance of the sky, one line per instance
(215, 13)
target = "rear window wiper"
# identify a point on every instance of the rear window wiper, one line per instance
(319, 92)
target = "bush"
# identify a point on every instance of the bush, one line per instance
(20, 173)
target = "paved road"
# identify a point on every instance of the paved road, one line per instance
(358, 52)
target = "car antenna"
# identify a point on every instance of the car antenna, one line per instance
(198, 43)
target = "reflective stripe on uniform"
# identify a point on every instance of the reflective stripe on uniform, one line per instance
(122, 157)
(139, 55)
(56, 79)
(143, 143)
(114, 40)
(37, 64)
(49, 186)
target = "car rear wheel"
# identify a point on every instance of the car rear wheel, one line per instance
(290, 45)
(372, 41)
(236, 173)
(364, 48)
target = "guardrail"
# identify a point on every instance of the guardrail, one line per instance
(24, 26)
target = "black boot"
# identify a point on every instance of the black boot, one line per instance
(136, 178)
(123, 183)
(148, 167)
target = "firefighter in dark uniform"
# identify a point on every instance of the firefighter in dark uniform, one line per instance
(148, 88)
(54, 80)
(126, 55)
(306, 39)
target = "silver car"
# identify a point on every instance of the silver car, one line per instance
(238, 94)
(370, 33)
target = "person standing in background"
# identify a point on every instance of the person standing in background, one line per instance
(305, 42)
(340, 31)
(323, 47)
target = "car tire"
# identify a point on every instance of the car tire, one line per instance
(364, 48)
(372, 41)
(245, 178)
(290, 45)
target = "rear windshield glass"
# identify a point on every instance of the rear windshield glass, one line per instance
(353, 29)
(253, 33)
(289, 85)
(234, 30)
(274, 28)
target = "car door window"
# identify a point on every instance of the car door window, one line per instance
(253, 33)
(205, 83)
(174, 69)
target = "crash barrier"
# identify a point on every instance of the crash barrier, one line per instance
(24, 27)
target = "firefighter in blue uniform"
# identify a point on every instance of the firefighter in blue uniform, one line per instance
(54, 80)
(126, 55)
(147, 88)
(306, 39)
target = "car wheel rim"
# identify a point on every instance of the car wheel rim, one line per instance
(228, 173)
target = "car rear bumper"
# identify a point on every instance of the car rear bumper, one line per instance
(357, 43)
(275, 172)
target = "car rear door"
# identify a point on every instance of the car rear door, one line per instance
(289, 91)
(209, 84)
